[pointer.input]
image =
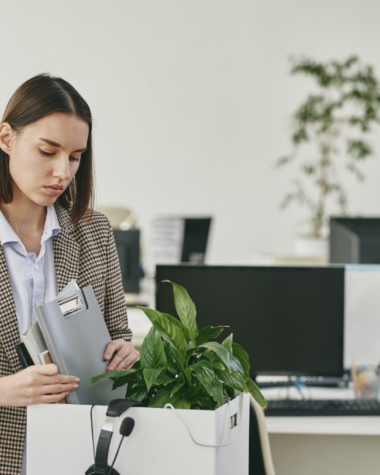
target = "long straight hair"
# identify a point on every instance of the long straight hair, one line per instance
(34, 99)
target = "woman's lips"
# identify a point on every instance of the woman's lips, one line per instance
(53, 190)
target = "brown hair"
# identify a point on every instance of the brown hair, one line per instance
(34, 99)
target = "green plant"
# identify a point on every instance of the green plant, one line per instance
(179, 365)
(333, 121)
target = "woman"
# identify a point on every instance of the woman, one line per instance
(49, 235)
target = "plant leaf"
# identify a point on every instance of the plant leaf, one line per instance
(242, 356)
(256, 393)
(221, 351)
(182, 403)
(150, 376)
(137, 392)
(217, 365)
(163, 397)
(164, 379)
(204, 402)
(187, 374)
(128, 379)
(194, 390)
(168, 327)
(117, 373)
(186, 310)
(174, 360)
(236, 366)
(180, 325)
(233, 379)
(227, 343)
(152, 351)
(208, 333)
(203, 371)
(177, 388)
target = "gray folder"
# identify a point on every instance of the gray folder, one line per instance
(76, 336)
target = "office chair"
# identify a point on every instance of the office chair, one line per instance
(260, 456)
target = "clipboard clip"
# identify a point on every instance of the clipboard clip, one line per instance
(71, 304)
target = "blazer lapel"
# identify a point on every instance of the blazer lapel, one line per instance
(9, 329)
(66, 251)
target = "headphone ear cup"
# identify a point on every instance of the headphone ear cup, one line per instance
(91, 471)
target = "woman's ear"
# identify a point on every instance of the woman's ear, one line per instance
(7, 134)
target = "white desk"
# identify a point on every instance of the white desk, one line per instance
(324, 445)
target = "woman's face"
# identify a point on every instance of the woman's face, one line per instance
(45, 156)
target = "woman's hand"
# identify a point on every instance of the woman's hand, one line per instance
(36, 384)
(125, 357)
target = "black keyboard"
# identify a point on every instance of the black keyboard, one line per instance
(323, 407)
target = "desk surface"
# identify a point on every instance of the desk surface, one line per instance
(324, 425)
(317, 425)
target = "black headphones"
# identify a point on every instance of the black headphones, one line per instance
(115, 409)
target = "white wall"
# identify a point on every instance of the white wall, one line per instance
(192, 100)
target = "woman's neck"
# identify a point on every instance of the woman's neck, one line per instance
(27, 219)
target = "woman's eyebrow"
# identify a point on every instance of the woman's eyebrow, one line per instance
(55, 144)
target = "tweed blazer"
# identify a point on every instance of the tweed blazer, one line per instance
(87, 253)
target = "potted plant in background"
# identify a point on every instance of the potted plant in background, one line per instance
(329, 132)
(180, 366)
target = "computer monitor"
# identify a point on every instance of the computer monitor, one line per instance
(128, 249)
(195, 240)
(289, 319)
(355, 240)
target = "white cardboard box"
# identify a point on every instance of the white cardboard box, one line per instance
(59, 440)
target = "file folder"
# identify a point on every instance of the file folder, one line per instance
(76, 336)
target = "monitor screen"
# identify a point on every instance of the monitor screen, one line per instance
(128, 249)
(355, 240)
(289, 319)
(195, 239)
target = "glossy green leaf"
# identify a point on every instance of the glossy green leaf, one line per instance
(150, 376)
(216, 365)
(227, 343)
(137, 392)
(174, 360)
(208, 333)
(182, 403)
(152, 351)
(187, 374)
(180, 325)
(203, 371)
(215, 389)
(186, 310)
(233, 379)
(204, 402)
(221, 351)
(117, 373)
(256, 393)
(177, 388)
(163, 397)
(242, 356)
(168, 327)
(194, 390)
(128, 379)
(236, 366)
(164, 379)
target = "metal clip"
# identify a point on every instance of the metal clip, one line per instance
(71, 304)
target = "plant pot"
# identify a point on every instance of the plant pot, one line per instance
(59, 440)
(306, 245)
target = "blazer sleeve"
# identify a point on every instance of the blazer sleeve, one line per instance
(115, 307)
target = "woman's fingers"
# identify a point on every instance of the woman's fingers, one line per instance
(57, 388)
(125, 355)
(129, 361)
(59, 379)
(49, 398)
